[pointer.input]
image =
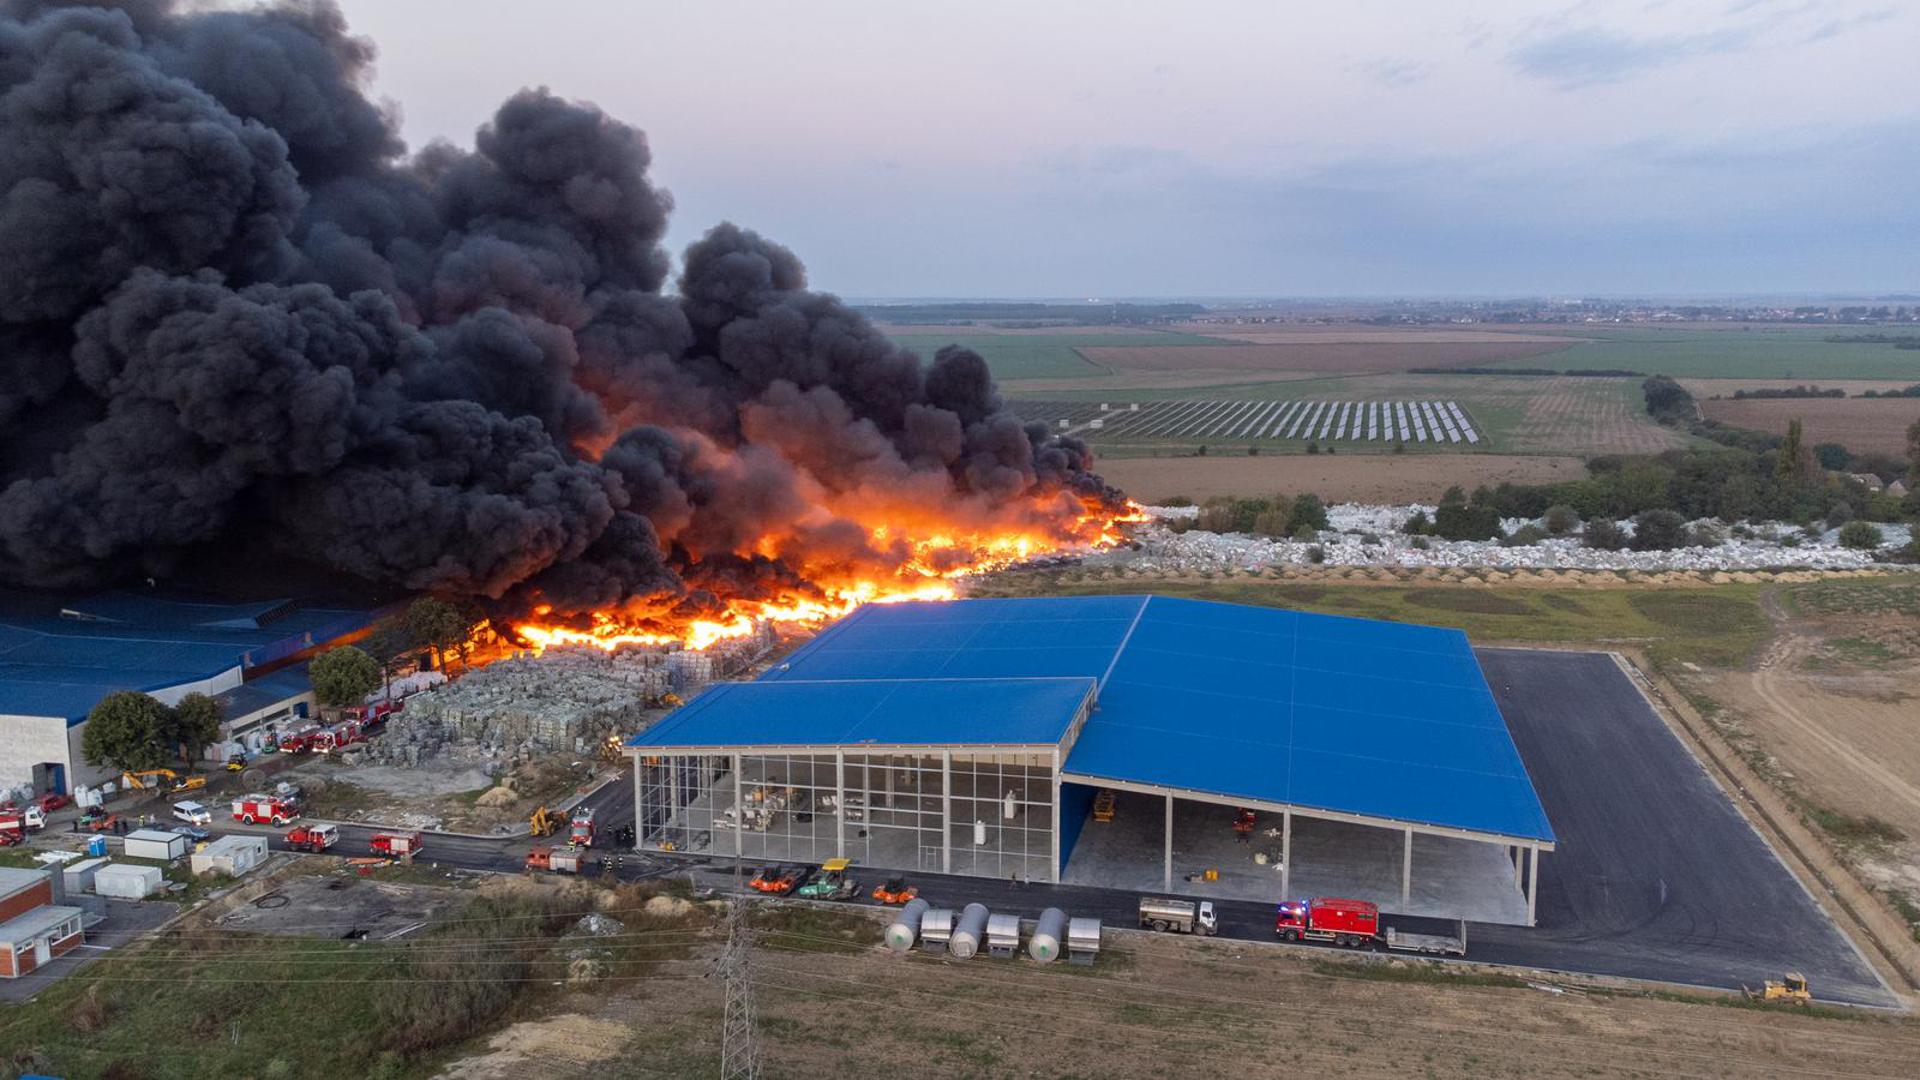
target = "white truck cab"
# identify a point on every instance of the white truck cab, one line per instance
(1208, 923)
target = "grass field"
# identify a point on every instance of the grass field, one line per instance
(1048, 355)
(1731, 353)
(1716, 626)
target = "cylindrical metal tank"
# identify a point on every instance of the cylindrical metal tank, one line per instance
(1083, 940)
(1046, 942)
(906, 925)
(936, 928)
(1003, 935)
(969, 932)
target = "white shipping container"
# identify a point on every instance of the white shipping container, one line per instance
(155, 844)
(78, 877)
(125, 881)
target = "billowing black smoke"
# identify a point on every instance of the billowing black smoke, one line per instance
(234, 311)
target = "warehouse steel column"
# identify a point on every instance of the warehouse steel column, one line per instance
(1166, 860)
(639, 807)
(739, 812)
(946, 812)
(1054, 876)
(839, 804)
(1406, 871)
(1286, 854)
(1533, 886)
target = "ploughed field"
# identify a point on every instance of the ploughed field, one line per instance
(1862, 425)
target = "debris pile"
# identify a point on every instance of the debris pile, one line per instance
(1372, 536)
(566, 699)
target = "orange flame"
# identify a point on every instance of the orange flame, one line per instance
(929, 571)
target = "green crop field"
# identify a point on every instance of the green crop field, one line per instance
(1043, 356)
(1757, 353)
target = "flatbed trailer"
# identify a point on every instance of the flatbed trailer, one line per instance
(1421, 934)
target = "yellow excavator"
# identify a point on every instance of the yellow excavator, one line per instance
(156, 779)
(1790, 988)
(543, 822)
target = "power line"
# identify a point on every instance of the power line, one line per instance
(739, 1037)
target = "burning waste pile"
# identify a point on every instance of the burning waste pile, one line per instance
(239, 319)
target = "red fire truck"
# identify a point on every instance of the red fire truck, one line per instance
(299, 742)
(344, 733)
(313, 838)
(580, 831)
(395, 845)
(1357, 924)
(264, 809)
(374, 715)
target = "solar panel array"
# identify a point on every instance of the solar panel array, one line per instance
(1439, 422)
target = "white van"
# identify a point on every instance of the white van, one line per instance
(192, 813)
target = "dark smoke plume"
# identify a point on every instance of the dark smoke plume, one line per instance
(234, 311)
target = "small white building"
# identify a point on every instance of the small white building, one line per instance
(127, 881)
(230, 855)
(160, 844)
(78, 877)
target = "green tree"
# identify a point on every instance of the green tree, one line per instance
(1861, 536)
(1309, 510)
(1659, 530)
(1794, 465)
(1913, 456)
(1560, 520)
(195, 725)
(393, 645)
(438, 625)
(1667, 401)
(1603, 534)
(343, 676)
(127, 731)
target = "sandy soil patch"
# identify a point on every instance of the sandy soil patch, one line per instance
(1374, 478)
(1323, 357)
(1864, 426)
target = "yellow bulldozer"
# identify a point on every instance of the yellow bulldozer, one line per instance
(1790, 988)
(543, 822)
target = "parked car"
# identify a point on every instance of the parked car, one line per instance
(192, 832)
(192, 813)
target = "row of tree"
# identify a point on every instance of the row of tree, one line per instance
(130, 731)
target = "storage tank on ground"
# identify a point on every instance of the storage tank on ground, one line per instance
(1083, 940)
(1003, 935)
(906, 925)
(936, 927)
(1045, 943)
(969, 932)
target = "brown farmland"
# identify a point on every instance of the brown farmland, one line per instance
(1575, 415)
(1314, 333)
(1862, 425)
(1346, 357)
(1373, 478)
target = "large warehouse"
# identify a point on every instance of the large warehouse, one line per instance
(59, 657)
(1116, 741)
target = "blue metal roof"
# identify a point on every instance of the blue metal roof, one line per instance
(1374, 719)
(874, 712)
(62, 665)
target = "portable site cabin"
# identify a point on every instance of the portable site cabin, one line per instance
(78, 877)
(230, 855)
(127, 881)
(155, 844)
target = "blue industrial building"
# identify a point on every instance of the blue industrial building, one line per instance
(59, 657)
(976, 737)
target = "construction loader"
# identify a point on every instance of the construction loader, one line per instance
(1790, 988)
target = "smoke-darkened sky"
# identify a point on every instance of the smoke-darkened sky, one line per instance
(1132, 148)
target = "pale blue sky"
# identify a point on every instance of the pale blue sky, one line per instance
(1255, 149)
